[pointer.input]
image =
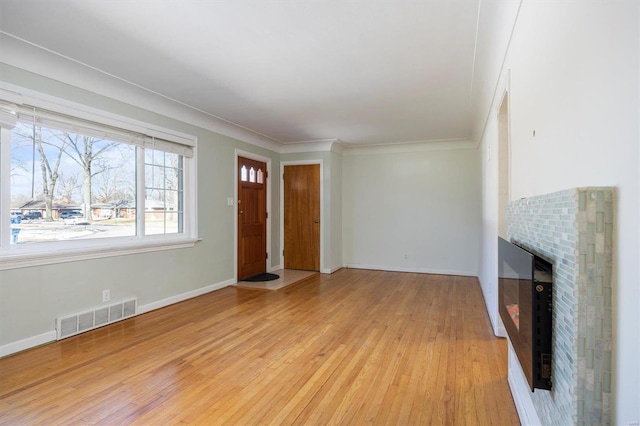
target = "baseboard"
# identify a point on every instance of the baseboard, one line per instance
(275, 268)
(336, 268)
(28, 343)
(50, 336)
(521, 392)
(414, 270)
(142, 309)
(331, 270)
(500, 331)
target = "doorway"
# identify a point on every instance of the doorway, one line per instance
(301, 216)
(252, 217)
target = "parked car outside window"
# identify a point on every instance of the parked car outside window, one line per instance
(67, 214)
(16, 217)
(73, 217)
(32, 216)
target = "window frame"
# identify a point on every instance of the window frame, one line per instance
(42, 253)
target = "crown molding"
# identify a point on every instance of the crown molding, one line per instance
(322, 145)
(337, 147)
(404, 147)
(342, 148)
(30, 57)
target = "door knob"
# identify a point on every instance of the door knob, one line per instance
(316, 221)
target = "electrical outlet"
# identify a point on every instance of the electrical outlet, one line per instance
(106, 295)
(406, 256)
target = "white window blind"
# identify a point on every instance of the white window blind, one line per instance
(46, 118)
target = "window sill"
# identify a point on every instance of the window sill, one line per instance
(14, 259)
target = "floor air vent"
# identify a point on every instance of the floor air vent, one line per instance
(71, 325)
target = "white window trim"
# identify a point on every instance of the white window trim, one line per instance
(19, 256)
(96, 249)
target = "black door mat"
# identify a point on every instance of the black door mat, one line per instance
(262, 277)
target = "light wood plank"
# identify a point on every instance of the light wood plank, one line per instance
(353, 347)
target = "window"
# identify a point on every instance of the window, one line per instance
(56, 172)
(73, 183)
(164, 192)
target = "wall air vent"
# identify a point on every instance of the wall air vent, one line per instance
(77, 323)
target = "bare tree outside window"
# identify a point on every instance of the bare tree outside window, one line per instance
(50, 154)
(76, 173)
(88, 152)
(49, 170)
(68, 186)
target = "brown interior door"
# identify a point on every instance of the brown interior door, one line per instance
(252, 218)
(302, 217)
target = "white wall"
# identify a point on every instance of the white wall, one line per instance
(335, 187)
(495, 26)
(488, 268)
(574, 78)
(415, 211)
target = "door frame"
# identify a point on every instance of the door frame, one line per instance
(240, 153)
(322, 215)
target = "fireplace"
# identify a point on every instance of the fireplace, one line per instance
(525, 286)
(574, 229)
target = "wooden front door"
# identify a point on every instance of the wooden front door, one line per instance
(252, 218)
(302, 217)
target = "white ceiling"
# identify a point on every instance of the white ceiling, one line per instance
(363, 72)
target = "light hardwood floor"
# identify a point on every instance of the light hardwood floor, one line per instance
(354, 347)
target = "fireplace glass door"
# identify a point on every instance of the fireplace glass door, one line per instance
(525, 309)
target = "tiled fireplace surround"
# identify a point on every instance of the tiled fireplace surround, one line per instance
(574, 228)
